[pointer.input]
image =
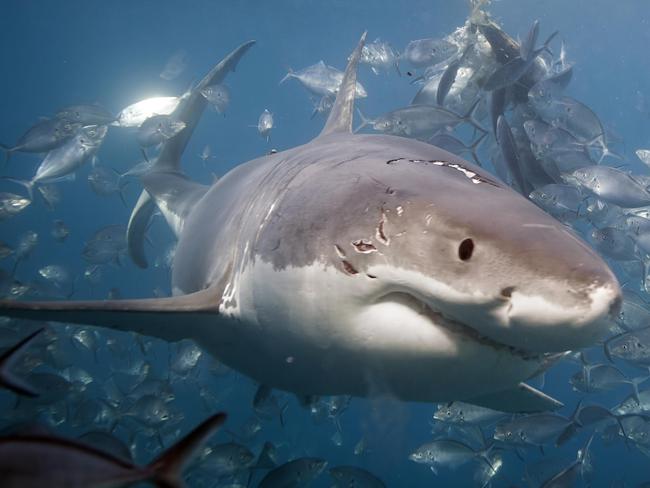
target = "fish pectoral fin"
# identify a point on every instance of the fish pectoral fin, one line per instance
(171, 319)
(521, 399)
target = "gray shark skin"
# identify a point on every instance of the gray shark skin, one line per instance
(366, 265)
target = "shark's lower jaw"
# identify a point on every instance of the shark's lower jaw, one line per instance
(456, 327)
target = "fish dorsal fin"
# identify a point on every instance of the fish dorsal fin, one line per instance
(340, 118)
(191, 109)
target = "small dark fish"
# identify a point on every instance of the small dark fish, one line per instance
(106, 181)
(299, 472)
(7, 359)
(352, 476)
(86, 115)
(57, 462)
(60, 231)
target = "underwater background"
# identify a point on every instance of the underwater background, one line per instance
(57, 54)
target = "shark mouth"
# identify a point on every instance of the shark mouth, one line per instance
(440, 319)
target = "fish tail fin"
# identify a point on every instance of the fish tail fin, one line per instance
(474, 147)
(28, 184)
(8, 380)
(166, 470)
(634, 383)
(470, 118)
(364, 121)
(290, 74)
(122, 186)
(8, 152)
(283, 410)
(600, 143)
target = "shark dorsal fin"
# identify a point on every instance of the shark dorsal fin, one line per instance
(340, 118)
(191, 109)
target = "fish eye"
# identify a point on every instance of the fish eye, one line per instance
(466, 249)
(508, 435)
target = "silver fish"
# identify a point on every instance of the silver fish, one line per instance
(135, 114)
(633, 346)
(265, 124)
(563, 202)
(465, 413)
(611, 185)
(45, 135)
(445, 453)
(218, 96)
(322, 80)
(421, 53)
(532, 430)
(12, 204)
(157, 129)
(614, 244)
(379, 56)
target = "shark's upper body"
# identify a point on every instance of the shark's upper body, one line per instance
(363, 264)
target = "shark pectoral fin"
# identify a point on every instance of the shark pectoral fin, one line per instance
(175, 196)
(521, 399)
(137, 228)
(171, 319)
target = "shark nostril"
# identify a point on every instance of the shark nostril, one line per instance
(507, 291)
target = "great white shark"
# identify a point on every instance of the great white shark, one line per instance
(361, 265)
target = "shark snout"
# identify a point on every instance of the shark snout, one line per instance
(545, 323)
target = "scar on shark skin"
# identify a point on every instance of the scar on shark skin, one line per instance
(364, 247)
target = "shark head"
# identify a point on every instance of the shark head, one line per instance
(406, 260)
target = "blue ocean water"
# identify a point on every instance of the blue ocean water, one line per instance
(62, 53)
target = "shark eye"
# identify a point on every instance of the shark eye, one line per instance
(465, 249)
